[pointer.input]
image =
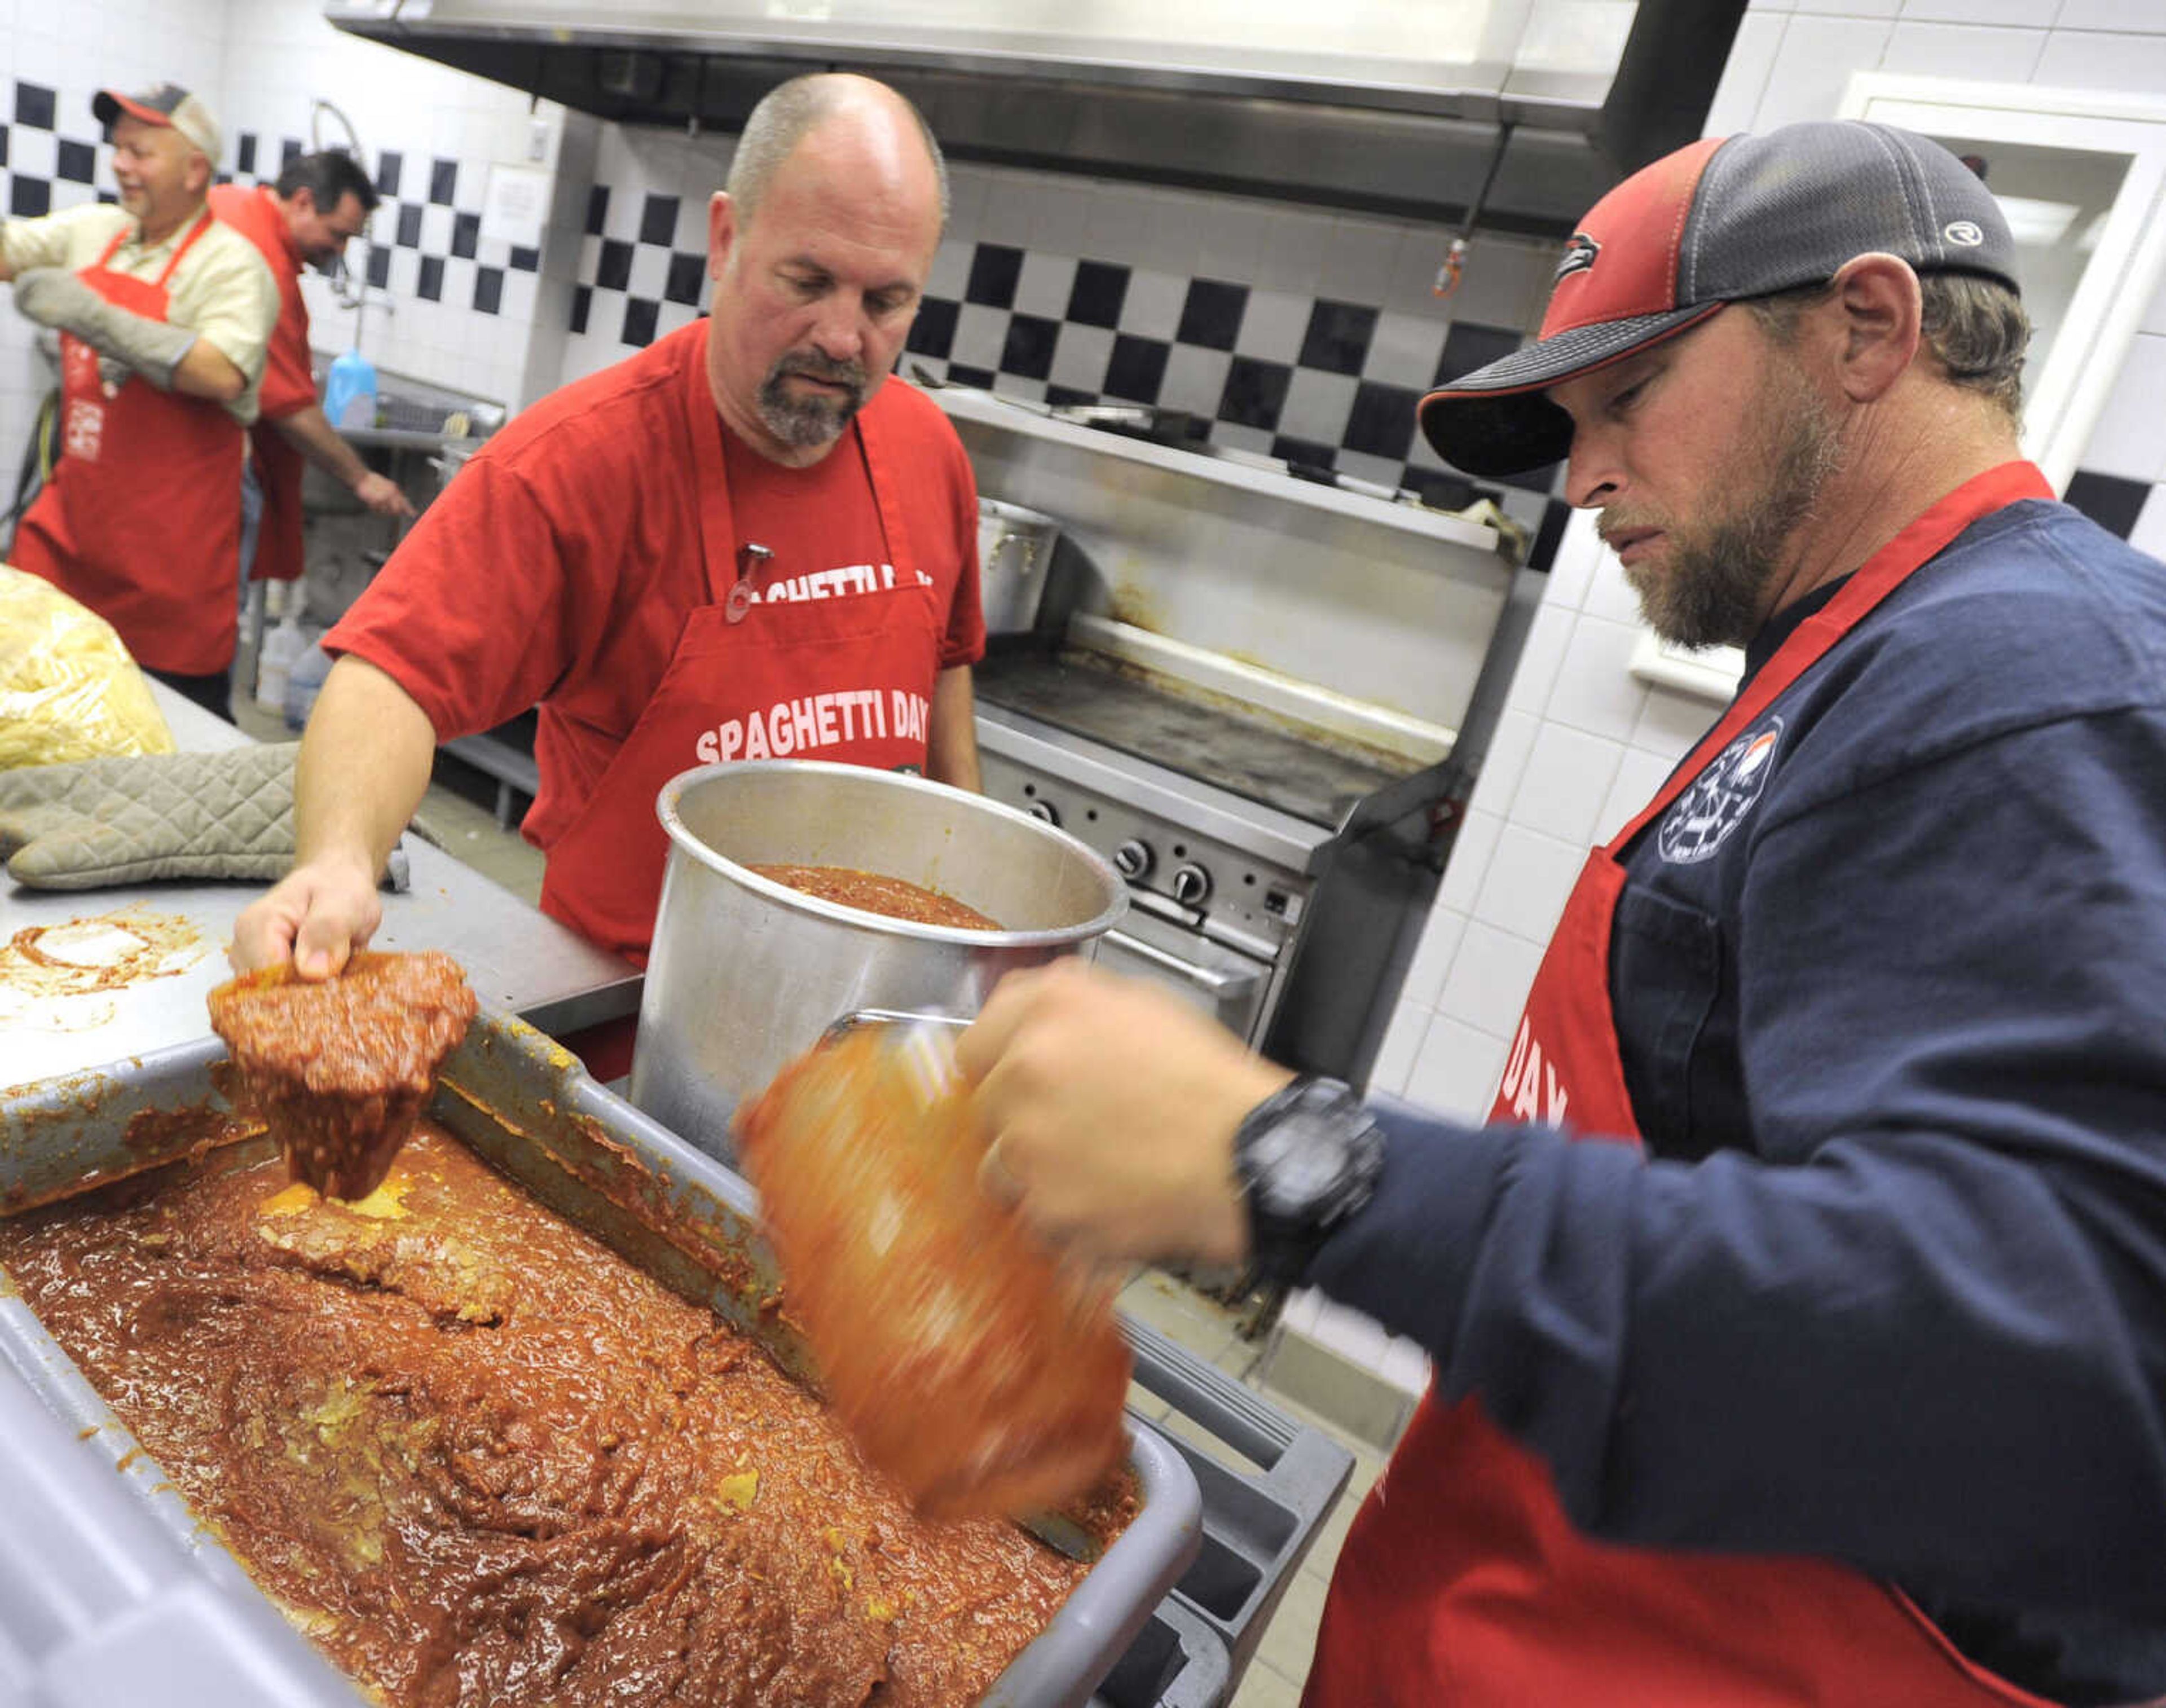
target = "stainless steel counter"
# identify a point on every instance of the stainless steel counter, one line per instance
(517, 958)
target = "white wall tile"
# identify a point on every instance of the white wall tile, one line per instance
(1595, 691)
(1814, 65)
(2149, 533)
(2130, 438)
(1745, 73)
(1579, 553)
(1401, 1047)
(1506, 760)
(1471, 852)
(1360, 253)
(1541, 658)
(1488, 985)
(1505, 283)
(1457, 1073)
(2085, 59)
(1433, 956)
(2144, 15)
(1985, 54)
(1528, 882)
(1672, 723)
(1610, 595)
(2016, 14)
(1567, 778)
(1850, 8)
(1638, 777)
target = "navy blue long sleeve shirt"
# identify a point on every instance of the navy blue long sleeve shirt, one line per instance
(1889, 1283)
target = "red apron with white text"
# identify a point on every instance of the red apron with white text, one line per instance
(141, 520)
(1462, 1581)
(851, 676)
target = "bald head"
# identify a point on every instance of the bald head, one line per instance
(884, 134)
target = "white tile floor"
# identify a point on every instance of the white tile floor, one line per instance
(468, 830)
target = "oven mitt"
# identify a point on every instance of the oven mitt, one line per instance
(133, 821)
(55, 297)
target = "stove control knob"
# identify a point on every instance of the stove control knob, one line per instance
(1046, 811)
(1134, 859)
(1191, 886)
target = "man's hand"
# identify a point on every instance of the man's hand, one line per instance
(55, 297)
(1110, 1106)
(381, 493)
(315, 916)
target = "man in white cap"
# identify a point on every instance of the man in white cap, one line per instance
(164, 315)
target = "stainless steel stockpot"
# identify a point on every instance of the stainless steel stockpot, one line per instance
(746, 973)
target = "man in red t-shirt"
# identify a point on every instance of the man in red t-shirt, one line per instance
(745, 542)
(321, 202)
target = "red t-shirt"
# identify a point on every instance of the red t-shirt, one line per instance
(559, 569)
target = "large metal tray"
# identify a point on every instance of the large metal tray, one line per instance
(525, 1105)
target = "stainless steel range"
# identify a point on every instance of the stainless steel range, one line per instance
(1266, 702)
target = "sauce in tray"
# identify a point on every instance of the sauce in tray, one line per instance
(481, 1459)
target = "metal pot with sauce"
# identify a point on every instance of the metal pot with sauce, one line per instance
(746, 973)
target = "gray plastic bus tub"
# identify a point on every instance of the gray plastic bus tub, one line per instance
(1257, 1529)
(525, 1105)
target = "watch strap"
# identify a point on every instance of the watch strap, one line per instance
(1307, 1158)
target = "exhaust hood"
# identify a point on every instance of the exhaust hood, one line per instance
(1525, 109)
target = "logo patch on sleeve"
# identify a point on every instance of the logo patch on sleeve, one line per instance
(1700, 820)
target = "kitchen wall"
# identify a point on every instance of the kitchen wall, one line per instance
(450, 303)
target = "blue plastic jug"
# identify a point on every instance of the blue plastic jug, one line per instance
(349, 393)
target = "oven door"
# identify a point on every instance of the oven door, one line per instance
(1233, 988)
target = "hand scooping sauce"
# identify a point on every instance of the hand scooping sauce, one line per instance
(339, 1068)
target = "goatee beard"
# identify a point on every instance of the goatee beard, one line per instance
(805, 421)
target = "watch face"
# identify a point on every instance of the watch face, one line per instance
(1299, 1162)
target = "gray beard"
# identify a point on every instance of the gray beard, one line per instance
(1714, 590)
(806, 421)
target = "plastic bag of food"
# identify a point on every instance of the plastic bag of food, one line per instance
(68, 689)
(968, 1365)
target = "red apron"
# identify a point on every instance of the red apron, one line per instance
(288, 383)
(141, 520)
(1462, 1581)
(845, 679)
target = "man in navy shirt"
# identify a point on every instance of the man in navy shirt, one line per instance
(1846, 1382)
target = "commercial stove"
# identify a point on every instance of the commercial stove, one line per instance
(1264, 701)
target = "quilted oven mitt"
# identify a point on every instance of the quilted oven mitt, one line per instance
(133, 821)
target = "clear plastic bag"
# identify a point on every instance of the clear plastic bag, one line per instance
(68, 689)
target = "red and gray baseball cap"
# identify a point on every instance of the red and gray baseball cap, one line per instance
(163, 104)
(1720, 220)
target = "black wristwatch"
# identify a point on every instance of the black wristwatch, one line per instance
(1308, 1157)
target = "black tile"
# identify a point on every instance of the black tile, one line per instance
(1060, 395)
(640, 314)
(79, 162)
(1382, 422)
(1338, 337)
(1469, 346)
(1439, 490)
(109, 198)
(432, 278)
(1212, 315)
(379, 266)
(34, 105)
(466, 234)
(443, 182)
(932, 333)
(1548, 537)
(1028, 351)
(1542, 479)
(981, 378)
(1137, 368)
(615, 272)
(658, 220)
(3, 146)
(389, 164)
(289, 150)
(28, 198)
(2108, 499)
(994, 271)
(1255, 392)
(525, 260)
(409, 225)
(1302, 454)
(688, 277)
(488, 288)
(583, 299)
(597, 209)
(244, 152)
(1096, 296)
